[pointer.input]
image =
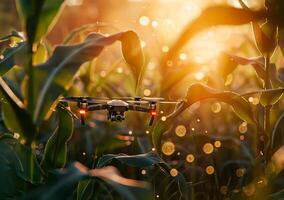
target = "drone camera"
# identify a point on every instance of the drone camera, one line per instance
(116, 116)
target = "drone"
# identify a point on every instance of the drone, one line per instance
(117, 106)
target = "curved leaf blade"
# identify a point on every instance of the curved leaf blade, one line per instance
(55, 153)
(38, 16)
(212, 16)
(55, 76)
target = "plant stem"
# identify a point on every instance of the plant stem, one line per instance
(30, 80)
(267, 109)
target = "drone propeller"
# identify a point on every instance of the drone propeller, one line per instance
(137, 102)
(84, 100)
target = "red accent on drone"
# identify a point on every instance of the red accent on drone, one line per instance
(153, 113)
(82, 112)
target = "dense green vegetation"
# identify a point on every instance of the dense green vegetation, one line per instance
(47, 154)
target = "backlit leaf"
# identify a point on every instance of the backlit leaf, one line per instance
(55, 76)
(212, 16)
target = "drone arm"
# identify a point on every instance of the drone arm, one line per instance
(138, 108)
(96, 107)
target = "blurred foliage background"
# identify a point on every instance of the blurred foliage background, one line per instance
(208, 143)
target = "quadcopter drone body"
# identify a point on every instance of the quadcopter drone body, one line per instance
(116, 107)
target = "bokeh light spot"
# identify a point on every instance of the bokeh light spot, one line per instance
(243, 127)
(168, 148)
(216, 107)
(217, 144)
(208, 148)
(210, 170)
(180, 130)
(190, 158)
(174, 172)
(144, 20)
(164, 118)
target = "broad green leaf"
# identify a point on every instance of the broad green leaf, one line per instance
(18, 168)
(15, 117)
(228, 63)
(55, 76)
(163, 126)
(271, 96)
(66, 180)
(143, 160)
(275, 77)
(140, 160)
(13, 56)
(40, 56)
(199, 92)
(265, 37)
(173, 77)
(277, 136)
(212, 16)
(38, 17)
(276, 163)
(132, 53)
(55, 153)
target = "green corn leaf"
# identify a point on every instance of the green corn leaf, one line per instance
(228, 63)
(13, 56)
(18, 168)
(173, 77)
(265, 37)
(198, 92)
(40, 56)
(15, 117)
(55, 153)
(64, 181)
(271, 96)
(212, 16)
(141, 160)
(38, 17)
(54, 77)
(277, 135)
